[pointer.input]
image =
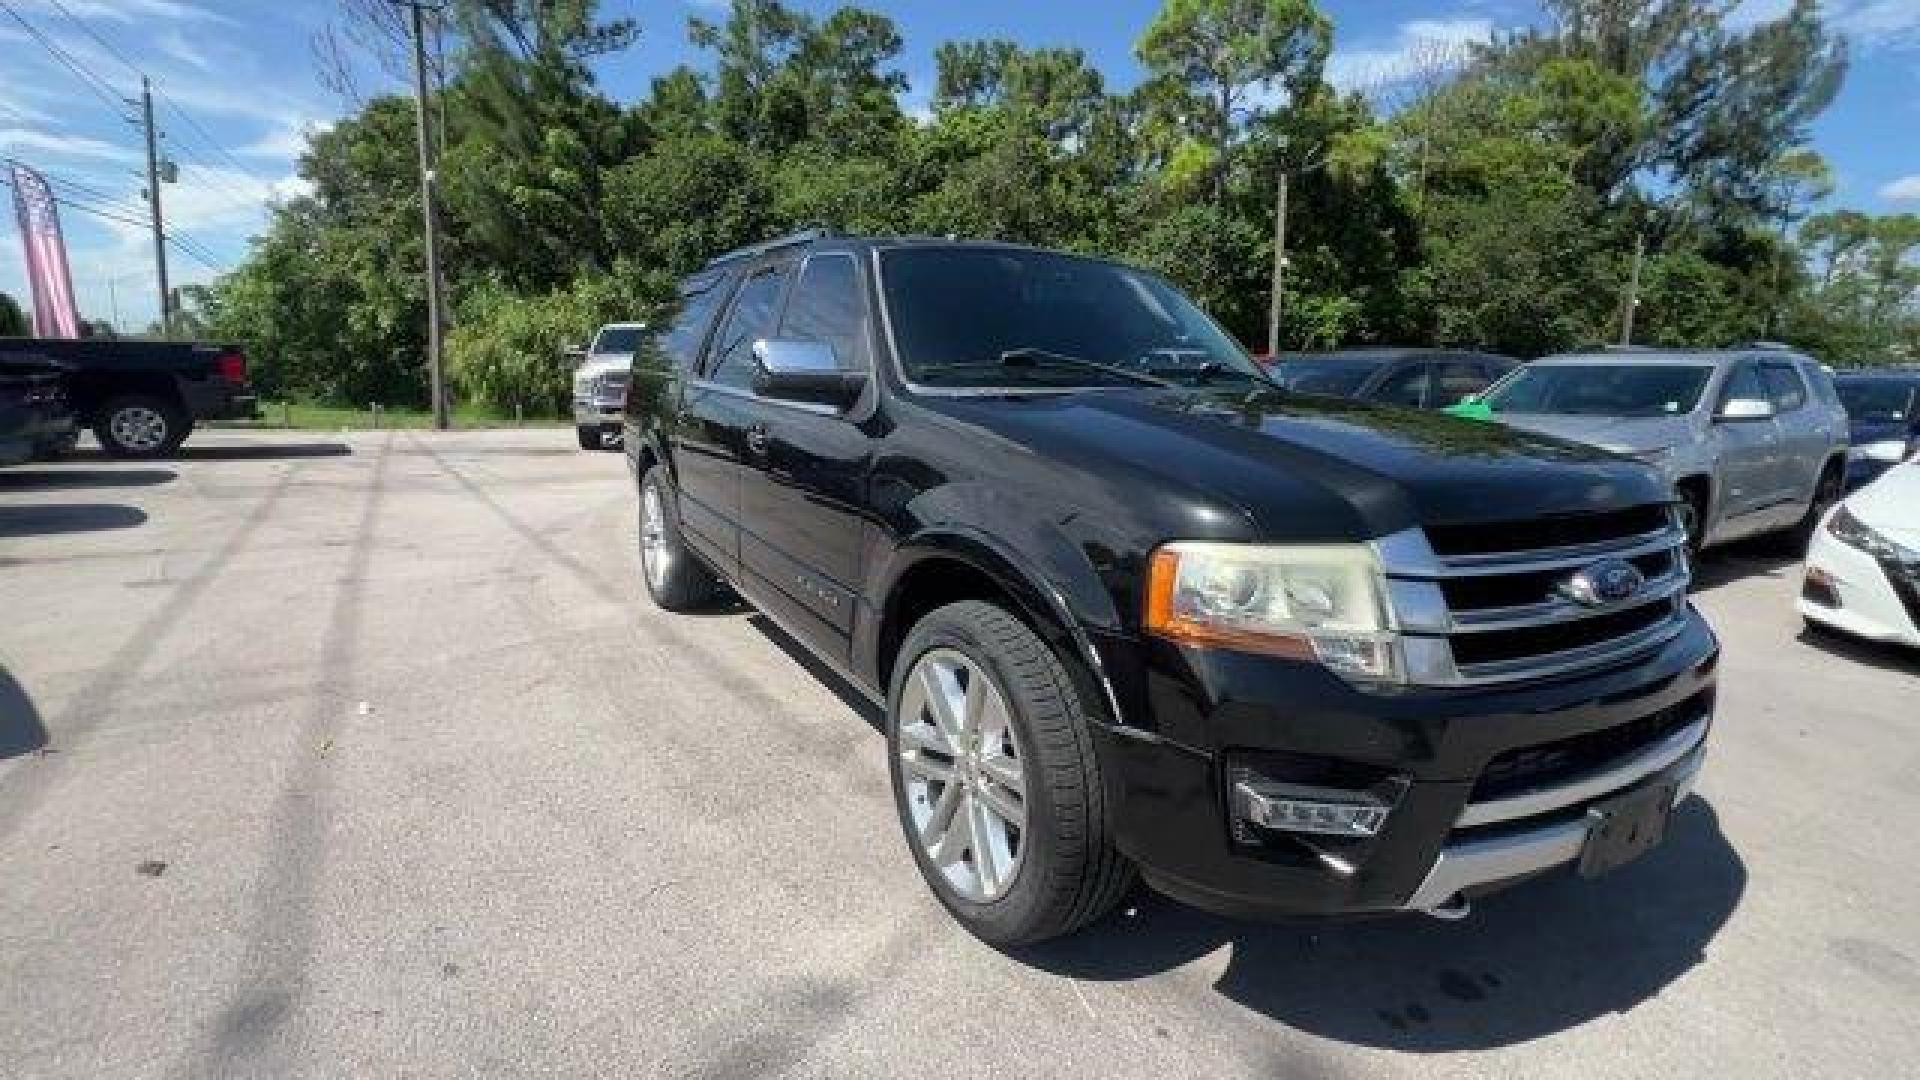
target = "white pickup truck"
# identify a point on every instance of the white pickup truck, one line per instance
(600, 384)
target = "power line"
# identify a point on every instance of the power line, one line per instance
(214, 144)
(90, 32)
(193, 248)
(100, 87)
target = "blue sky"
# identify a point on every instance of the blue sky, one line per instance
(238, 88)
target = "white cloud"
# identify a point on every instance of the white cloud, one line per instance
(176, 45)
(1891, 24)
(1420, 47)
(70, 147)
(1905, 189)
(131, 11)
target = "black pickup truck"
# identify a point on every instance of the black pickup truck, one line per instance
(143, 397)
(36, 419)
(1128, 605)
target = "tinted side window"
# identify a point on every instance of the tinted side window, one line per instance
(1407, 385)
(827, 306)
(1744, 385)
(1455, 379)
(750, 318)
(1784, 386)
(699, 300)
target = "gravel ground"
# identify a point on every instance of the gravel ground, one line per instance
(364, 755)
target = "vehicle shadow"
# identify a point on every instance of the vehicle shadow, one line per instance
(42, 479)
(1880, 654)
(1764, 556)
(67, 518)
(1546, 956)
(21, 731)
(248, 452)
(849, 695)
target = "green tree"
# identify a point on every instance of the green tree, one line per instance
(1213, 55)
(13, 321)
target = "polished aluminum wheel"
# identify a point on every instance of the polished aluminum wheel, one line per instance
(655, 556)
(965, 786)
(138, 427)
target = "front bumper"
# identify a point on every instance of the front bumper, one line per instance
(1852, 591)
(1207, 719)
(589, 413)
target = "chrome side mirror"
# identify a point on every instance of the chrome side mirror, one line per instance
(790, 370)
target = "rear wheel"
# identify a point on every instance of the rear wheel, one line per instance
(1827, 492)
(140, 426)
(676, 579)
(995, 778)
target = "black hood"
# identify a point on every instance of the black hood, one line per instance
(1284, 460)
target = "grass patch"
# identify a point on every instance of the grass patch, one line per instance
(295, 416)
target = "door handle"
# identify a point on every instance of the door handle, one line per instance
(758, 439)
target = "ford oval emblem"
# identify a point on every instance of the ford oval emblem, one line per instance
(1607, 582)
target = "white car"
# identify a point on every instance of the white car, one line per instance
(600, 383)
(1863, 567)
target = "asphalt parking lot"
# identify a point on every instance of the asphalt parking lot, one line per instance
(364, 755)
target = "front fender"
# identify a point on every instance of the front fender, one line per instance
(1028, 555)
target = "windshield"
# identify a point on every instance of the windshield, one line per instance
(619, 339)
(1877, 401)
(1336, 378)
(1601, 389)
(989, 316)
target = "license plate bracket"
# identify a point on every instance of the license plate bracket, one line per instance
(1625, 827)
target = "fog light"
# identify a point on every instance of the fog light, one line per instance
(1321, 811)
(1819, 588)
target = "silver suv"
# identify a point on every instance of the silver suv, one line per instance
(1753, 440)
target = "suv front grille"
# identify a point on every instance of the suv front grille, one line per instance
(1477, 606)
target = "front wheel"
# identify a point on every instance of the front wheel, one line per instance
(995, 778)
(675, 577)
(140, 426)
(590, 437)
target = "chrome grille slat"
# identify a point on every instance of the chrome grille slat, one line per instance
(1481, 620)
(1436, 631)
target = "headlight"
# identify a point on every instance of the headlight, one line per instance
(1319, 602)
(1891, 451)
(1855, 533)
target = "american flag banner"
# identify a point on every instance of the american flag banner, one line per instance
(54, 314)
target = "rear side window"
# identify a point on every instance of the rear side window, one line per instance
(826, 305)
(1407, 385)
(1455, 379)
(699, 300)
(1784, 386)
(750, 318)
(1744, 385)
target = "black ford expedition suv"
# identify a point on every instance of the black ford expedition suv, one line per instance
(1129, 606)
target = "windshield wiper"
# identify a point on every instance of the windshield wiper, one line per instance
(1027, 356)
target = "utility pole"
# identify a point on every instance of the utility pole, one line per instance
(153, 205)
(434, 324)
(1633, 289)
(1275, 299)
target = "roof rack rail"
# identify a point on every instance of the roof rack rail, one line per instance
(1770, 346)
(801, 237)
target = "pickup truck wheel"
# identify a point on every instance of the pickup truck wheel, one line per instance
(140, 426)
(675, 577)
(995, 779)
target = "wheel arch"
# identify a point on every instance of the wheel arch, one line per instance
(947, 565)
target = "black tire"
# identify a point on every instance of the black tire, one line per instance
(1829, 489)
(683, 583)
(590, 438)
(140, 426)
(1069, 873)
(1693, 517)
